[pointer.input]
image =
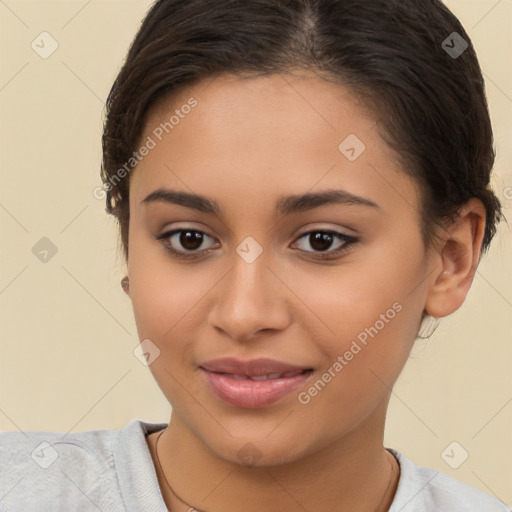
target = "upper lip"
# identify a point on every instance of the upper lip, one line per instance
(253, 367)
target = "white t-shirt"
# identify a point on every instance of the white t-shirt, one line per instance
(112, 471)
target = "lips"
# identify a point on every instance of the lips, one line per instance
(252, 368)
(263, 377)
(253, 384)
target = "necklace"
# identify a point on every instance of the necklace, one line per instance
(165, 478)
(199, 510)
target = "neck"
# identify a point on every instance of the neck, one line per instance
(354, 473)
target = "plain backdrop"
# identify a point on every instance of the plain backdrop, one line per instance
(67, 329)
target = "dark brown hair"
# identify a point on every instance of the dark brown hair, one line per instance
(430, 105)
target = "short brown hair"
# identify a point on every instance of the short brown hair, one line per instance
(430, 105)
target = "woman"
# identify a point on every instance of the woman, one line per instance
(300, 186)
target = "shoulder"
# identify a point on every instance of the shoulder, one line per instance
(59, 471)
(423, 489)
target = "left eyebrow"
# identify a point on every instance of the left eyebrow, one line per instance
(285, 205)
(304, 202)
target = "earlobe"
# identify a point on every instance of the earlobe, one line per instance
(459, 255)
(125, 285)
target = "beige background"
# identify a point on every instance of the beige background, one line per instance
(68, 333)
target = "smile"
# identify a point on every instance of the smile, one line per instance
(253, 384)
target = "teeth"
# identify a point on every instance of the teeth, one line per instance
(264, 377)
(274, 376)
(238, 377)
(292, 374)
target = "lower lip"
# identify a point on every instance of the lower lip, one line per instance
(252, 394)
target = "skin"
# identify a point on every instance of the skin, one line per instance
(245, 144)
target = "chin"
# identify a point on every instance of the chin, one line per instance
(259, 452)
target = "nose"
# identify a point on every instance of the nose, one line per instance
(250, 299)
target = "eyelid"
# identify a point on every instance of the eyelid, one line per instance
(345, 231)
(332, 254)
(348, 240)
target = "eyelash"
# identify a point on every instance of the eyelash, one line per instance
(348, 242)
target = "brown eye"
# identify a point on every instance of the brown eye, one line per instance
(184, 243)
(190, 240)
(187, 243)
(321, 241)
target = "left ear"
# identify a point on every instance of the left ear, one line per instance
(458, 255)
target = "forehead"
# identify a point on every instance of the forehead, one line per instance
(300, 104)
(262, 136)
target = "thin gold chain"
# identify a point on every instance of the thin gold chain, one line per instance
(199, 510)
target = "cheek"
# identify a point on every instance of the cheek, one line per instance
(164, 298)
(364, 295)
(366, 329)
(160, 292)
(372, 313)
(364, 362)
(167, 307)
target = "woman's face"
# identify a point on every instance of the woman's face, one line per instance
(334, 289)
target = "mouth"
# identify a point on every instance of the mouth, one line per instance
(253, 384)
(268, 376)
